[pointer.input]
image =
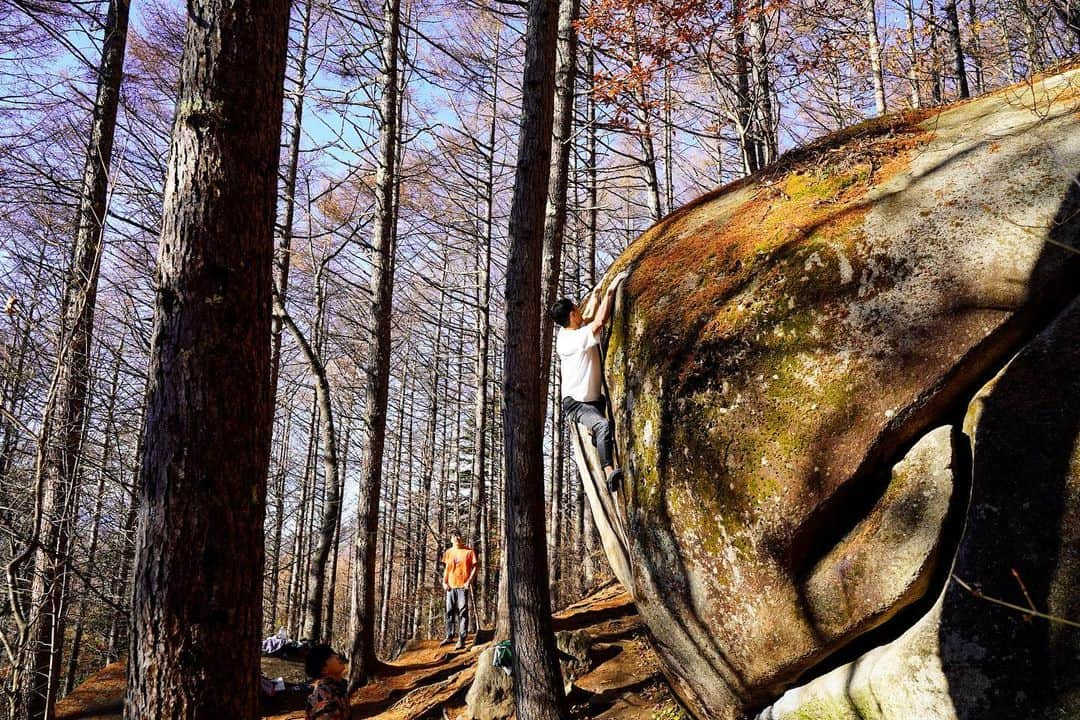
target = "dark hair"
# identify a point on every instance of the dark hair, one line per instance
(315, 662)
(560, 311)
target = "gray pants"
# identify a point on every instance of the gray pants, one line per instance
(591, 415)
(457, 612)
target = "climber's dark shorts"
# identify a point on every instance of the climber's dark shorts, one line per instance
(591, 415)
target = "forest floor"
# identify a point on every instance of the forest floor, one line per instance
(428, 681)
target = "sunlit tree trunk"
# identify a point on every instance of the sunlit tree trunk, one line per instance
(284, 252)
(913, 55)
(312, 626)
(952, 18)
(1031, 37)
(538, 690)
(555, 210)
(977, 59)
(764, 121)
(390, 528)
(65, 403)
(109, 424)
(199, 572)
(877, 76)
(376, 371)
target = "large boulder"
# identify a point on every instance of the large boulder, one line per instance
(782, 343)
(971, 656)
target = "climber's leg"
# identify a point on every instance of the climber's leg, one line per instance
(602, 430)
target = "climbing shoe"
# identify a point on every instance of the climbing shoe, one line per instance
(614, 481)
(460, 644)
(446, 641)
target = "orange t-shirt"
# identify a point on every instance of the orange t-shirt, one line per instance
(459, 565)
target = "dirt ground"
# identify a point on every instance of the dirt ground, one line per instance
(428, 681)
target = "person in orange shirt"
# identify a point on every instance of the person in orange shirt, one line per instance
(460, 569)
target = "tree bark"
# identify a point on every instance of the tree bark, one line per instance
(953, 19)
(71, 675)
(977, 59)
(427, 465)
(648, 166)
(937, 92)
(279, 520)
(591, 173)
(538, 690)
(555, 210)
(284, 252)
(913, 55)
(764, 120)
(316, 580)
(331, 594)
(555, 512)
(65, 405)
(669, 140)
(120, 588)
(390, 529)
(744, 103)
(1031, 37)
(199, 574)
(877, 77)
(483, 322)
(363, 618)
(294, 592)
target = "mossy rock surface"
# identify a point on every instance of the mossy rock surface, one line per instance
(969, 656)
(779, 345)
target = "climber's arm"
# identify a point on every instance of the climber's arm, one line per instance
(603, 313)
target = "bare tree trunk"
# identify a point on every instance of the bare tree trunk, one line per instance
(284, 253)
(279, 519)
(377, 367)
(109, 423)
(913, 55)
(555, 210)
(591, 172)
(648, 166)
(408, 556)
(1031, 37)
(198, 589)
(331, 594)
(538, 690)
(765, 122)
(977, 59)
(669, 138)
(483, 322)
(390, 529)
(427, 467)
(555, 528)
(937, 92)
(294, 594)
(952, 17)
(744, 104)
(120, 588)
(456, 402)
(1000, 13)
(65, 405)
(877, 77)
(316, 580)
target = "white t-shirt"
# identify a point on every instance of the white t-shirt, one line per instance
(579, 360)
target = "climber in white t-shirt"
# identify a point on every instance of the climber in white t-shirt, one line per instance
(579, 358)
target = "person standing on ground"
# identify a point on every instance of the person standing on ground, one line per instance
(583, 401)
(458, 575)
